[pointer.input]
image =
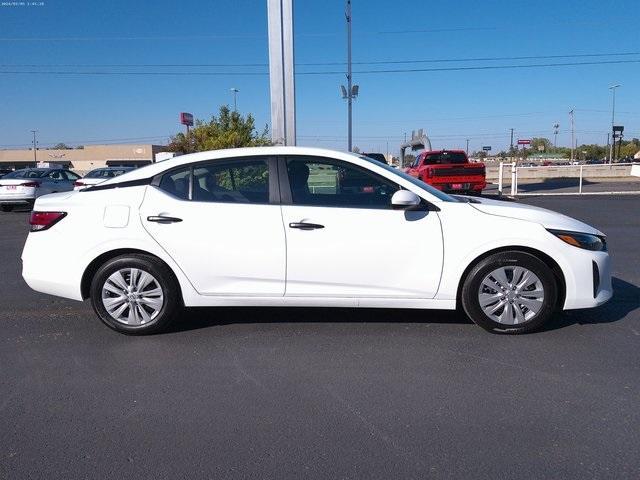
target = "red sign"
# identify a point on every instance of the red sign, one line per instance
(186, 119)
(524, 142)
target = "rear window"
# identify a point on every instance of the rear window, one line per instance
(444, 158)
(26, 174)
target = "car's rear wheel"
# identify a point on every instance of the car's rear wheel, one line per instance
(135, 294)
(512, 292)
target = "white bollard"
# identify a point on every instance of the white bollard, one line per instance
(514, 179)
(580, 186)
(500, 173)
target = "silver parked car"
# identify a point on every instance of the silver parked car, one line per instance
(22, 187)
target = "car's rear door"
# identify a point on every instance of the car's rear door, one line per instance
(221, 222)
(345, 240)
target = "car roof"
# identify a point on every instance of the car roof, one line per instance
(154, 169)
(159, 167)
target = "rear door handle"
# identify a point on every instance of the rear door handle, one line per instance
(305, 226)
(163, 219)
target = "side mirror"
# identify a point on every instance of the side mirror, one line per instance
(405, 200)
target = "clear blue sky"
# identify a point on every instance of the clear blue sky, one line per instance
(451, 105)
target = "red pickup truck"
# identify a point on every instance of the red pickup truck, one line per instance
(449, 171)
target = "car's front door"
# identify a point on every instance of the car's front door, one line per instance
(221, 222)
(345, 240)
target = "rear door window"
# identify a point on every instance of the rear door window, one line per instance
(239, 181)
(235, 181)
(176, 182)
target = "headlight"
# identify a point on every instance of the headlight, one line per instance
(587, 241)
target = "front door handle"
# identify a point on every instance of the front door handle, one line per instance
(163, 219)
(305, 226)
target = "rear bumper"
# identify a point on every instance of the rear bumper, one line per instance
(452, 185)
(47, 273)
(16, 199)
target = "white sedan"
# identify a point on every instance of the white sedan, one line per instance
(99, 175)
(289, 226)
(22, 187)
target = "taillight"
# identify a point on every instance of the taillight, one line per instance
(43, 220)
(30, 184)
(78, 183)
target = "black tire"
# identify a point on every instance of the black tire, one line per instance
(6, 208)
(473, 280)
(172, 299)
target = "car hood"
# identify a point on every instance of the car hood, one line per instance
(544, 217)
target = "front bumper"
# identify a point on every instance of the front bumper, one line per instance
(590, 283)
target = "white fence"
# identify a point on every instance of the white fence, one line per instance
(564, 172)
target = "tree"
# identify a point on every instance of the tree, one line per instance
(538, 142)
(629, 149)
(227, 130)
(61, 146)
(592, 151)
(355, 150)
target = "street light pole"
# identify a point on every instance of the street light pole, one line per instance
(35, 158)
(235, 102)
(613, 117)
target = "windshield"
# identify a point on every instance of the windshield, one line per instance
(25, 174)
(106, 173)
(419, 183)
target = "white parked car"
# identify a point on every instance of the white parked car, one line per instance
(280, 226)
(99, 175)
(22, 187)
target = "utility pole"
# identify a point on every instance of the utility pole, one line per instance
(235, 100)
(467, 147)
(511, 148)
(573, 133)
(556, 126)
(35, 158)
(613, 119)
(349, 79)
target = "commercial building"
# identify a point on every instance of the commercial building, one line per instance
(84, 159)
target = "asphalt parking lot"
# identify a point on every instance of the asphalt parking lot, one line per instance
(323, 393)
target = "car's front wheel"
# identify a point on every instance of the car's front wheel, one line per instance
(135, 294)
(512, 291)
